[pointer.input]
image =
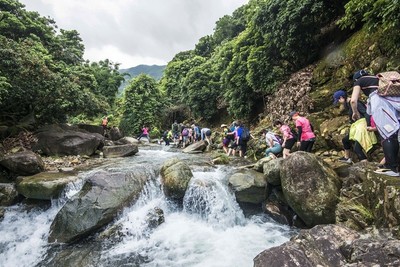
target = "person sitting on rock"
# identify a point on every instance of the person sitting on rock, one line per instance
(305, 132)
(288, 137)
(340, 96)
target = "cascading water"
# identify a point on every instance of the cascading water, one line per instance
(208, 230)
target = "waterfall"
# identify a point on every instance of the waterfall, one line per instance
(207, 229)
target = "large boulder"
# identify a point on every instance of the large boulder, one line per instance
(91, 128)
(175, 178)
(45, 185)
(369, 199)
(8, 194)
(195, 147)
(115, 133)
(127, 140)
(272, 171)
(23, 163)
(259, 165)
(310, 187)
(249, 186)
(61, 140)
(332, 245)
(120, 151)
(102, 197)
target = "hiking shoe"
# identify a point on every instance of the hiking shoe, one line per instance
(345, 160)
(387, 172)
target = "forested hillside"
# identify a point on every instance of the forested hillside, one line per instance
(154, 71)
(231, 73)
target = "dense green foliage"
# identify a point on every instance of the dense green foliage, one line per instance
(142, 105)
(230, 72)
(249, 54)
(42, 71)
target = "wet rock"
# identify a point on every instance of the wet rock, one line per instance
(332, 245)
(272, 171)
(155, 218)
(23, 163)
(102, 197)
(120, 151)
(249, 186)
(175, 178)
(67, 140)
(195, 147)
(2, 212)
(310, 187)
(8, 194)
(45, 185)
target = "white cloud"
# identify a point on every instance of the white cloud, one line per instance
(134, 32)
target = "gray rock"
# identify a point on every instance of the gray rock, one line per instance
(8, 194)
(249, 186)
(259, 166)
(45, 185)
(60, 140)
(127, 140)
(272, 171)
(175, 178)
(102, 197)
(195, 147)
(332, 245)
(310, 187)
(23, 163)
(115, 134)
(91, 128)
(120, 151)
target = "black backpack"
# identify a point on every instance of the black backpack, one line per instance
(245, 136)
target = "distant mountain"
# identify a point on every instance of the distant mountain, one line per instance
(154, 71)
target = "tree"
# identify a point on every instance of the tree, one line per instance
(142, 105)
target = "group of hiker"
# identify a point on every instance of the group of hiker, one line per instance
(380, 115)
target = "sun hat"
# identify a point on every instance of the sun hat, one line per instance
(223, 125)
(337, 95)
(358, 74)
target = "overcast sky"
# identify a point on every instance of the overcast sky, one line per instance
(133, 32)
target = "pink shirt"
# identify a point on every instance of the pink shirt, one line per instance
(145, 130)
(305, 125)
(287, 133)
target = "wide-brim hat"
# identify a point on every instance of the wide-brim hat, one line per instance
(223, 125)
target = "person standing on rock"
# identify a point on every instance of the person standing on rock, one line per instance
(104, 124)
(340, 96)
(288, 138)
(385, 111)
(305, 132)
(145, 133)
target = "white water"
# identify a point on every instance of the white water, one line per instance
(209, 230)
(24, 231)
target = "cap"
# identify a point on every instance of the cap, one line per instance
(223, 125)
(358, 74)
(292, 113)
(337, 95)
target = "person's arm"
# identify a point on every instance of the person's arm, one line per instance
(362, 109)
(299, 132)
(353, 102)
